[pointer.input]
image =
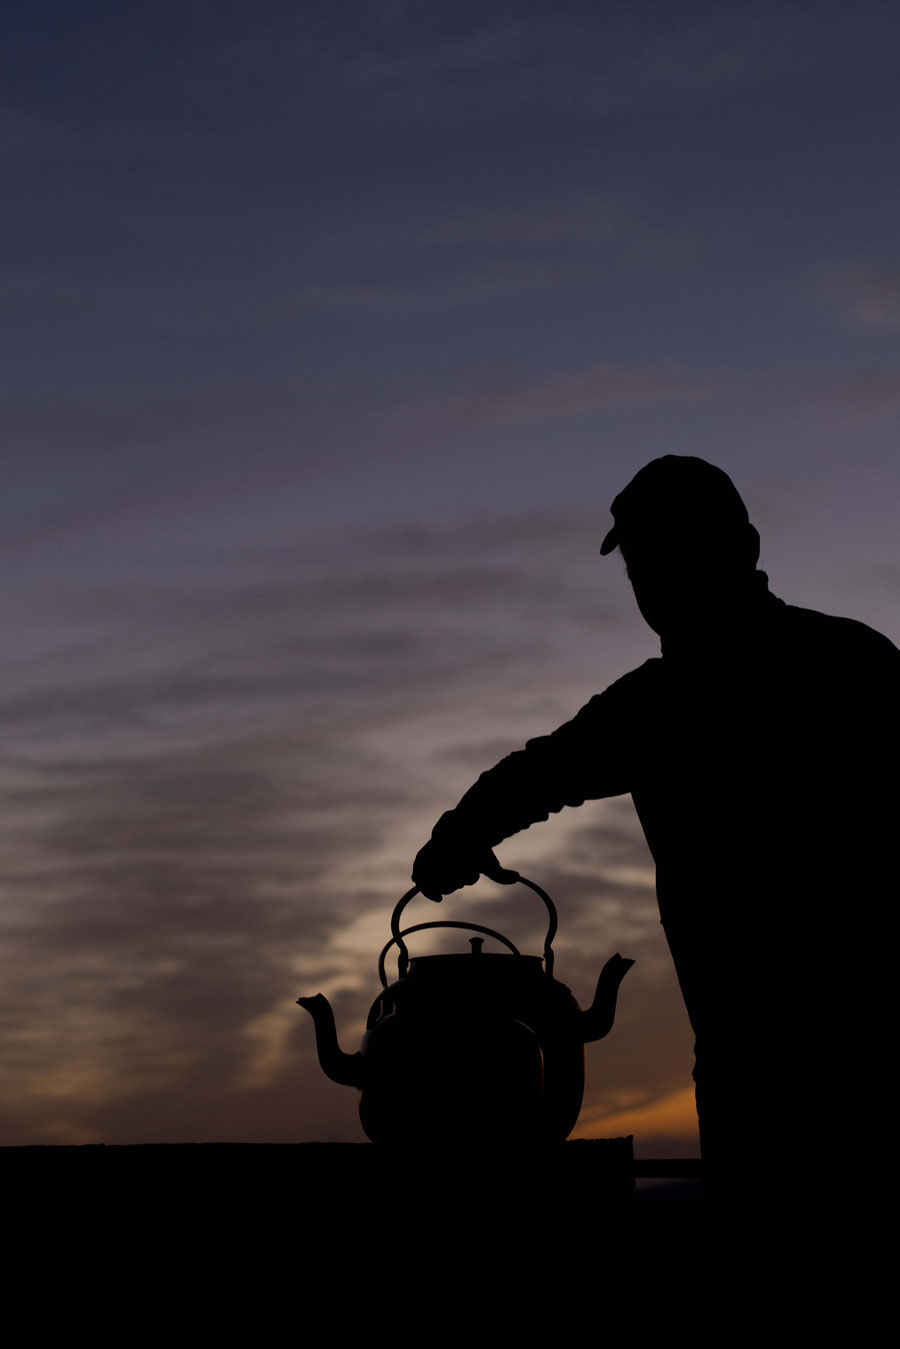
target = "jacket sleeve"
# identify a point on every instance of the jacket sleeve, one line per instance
(591, 756)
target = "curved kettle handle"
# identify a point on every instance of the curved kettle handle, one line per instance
(419, 927)
(397, 936)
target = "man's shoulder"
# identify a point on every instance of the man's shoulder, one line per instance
(836, 634)
(637, 684)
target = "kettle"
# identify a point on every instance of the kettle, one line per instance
(469, 1048)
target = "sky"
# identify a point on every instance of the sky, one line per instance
(330, 331)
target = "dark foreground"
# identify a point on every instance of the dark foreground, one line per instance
(265, 1242)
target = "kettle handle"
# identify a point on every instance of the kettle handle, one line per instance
(397, 935)
(419, 927)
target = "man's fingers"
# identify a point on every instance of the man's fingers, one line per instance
(437, 874)
(495, 872)
(448, 885)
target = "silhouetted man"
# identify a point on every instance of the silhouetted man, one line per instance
(761, 752)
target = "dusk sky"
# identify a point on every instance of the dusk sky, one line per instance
(330, 331)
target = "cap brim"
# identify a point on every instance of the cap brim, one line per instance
(609, 543)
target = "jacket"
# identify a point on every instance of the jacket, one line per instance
(762, 758)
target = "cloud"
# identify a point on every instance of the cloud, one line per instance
(594, 389)
(868, 293)
(590, 219)
(472, 283)
(420, 260)
(459, 62)
(882, 578)
(28, 135)
(159, 911)
(842, 396)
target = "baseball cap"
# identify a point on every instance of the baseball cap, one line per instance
(677, 491)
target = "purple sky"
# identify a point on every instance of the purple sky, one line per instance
(330, 332)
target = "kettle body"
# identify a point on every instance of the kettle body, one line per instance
(475, 1047)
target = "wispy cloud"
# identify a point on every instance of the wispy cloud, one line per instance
(469, 284)
(204, 802)
(867, 293)
(450, 60)
(852, 392)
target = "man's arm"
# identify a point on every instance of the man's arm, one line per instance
(586, 758)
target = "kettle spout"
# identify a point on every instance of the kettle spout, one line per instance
(340, 1067)
(598, 1019)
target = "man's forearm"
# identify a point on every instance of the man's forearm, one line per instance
(515, 793)
(580, 760)
(506, 799)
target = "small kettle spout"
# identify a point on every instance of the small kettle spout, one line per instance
(340, 1067)
(598, 1019)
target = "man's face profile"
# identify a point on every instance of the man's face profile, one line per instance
(683, 581)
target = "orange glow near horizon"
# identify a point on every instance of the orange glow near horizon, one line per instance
(672, 1117)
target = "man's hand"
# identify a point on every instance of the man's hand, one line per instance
(446, 864)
